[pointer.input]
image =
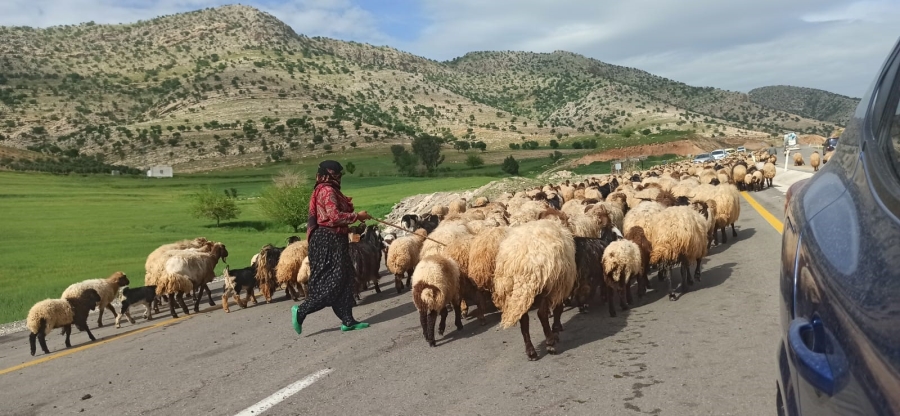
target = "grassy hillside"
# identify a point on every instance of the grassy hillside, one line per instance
(807, 102)
(234, 86)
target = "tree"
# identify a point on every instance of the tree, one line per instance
(474, 161)
(510, 165)
(213, 205)
(461, 145)
(554, 144)
(480, 146)
(350, 167)
(406, 162)
(428, 149)
(287, 203)
(556, 156)
(646, 132)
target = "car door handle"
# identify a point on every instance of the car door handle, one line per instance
(811, 360)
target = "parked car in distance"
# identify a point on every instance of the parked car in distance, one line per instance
(703, 158)
(718, 154)
(830, 144)
(729, 150)
(741, 149)
(839, 348)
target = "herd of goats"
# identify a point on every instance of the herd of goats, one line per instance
(545, 247)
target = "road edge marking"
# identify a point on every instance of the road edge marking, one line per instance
(771, 219)
(70, 351)
(281, 395)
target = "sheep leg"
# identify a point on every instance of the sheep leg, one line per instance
(375, 280)
(685, 277)
(529, 347)
(442, 326)
(225, 302)
(197, 302)
(208, 294)
(724, 238)
(549, 334)
(398, 282)
(251, 295)
(672, 295)
(42, 339)
(423, 319)
(172, 308)
(482, 304)
(697, 270)
(457, 316)
(67, 329)
(608, 293)
(643, 282)
(628, 300)
(557, 316)
(408, 279)
(733, 231)
(429, 330)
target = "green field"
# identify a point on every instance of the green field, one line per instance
(57, 230)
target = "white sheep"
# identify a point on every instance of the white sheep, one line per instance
(108, 289)
(621, 266)
(536, 261)
(403, 255)
(49, 314)
(435, 283)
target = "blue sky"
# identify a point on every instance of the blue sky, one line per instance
(836, 45)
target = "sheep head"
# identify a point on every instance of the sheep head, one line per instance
(119, 279)
(220, 251)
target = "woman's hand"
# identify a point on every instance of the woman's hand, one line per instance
(363, 216)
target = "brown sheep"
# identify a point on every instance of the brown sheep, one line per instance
(798, 159)
(814, 161)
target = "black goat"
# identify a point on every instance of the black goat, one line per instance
(237, 280)
(143, 295)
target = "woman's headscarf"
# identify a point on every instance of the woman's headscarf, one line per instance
(329, 173)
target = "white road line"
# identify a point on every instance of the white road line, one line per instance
(284, 393)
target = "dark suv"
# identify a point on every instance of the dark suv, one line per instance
(840, 269)
(830, 144)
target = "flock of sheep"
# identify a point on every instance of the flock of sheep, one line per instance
(550, 246)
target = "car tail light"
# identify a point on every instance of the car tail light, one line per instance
(794, 188)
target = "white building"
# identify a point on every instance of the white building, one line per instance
(160, 172)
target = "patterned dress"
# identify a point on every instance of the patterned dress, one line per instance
(332, 274)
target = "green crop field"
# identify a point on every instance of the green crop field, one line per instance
(57, 230)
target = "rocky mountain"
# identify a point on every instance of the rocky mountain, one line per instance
(807, 102)
(233, 84)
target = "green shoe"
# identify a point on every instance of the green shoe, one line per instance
(294, 319)
(358, 325)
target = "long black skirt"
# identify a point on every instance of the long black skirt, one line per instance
(331, 278)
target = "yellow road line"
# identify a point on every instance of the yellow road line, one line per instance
(69, 351)
(771, 219)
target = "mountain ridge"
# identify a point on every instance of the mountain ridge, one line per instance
(237, 83)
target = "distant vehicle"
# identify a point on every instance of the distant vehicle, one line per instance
(741, 149)
(729, 150)
(718, 154)
(703, 158)
(839, 348)
(830, 144)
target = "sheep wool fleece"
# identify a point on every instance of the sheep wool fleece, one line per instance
(331, 278)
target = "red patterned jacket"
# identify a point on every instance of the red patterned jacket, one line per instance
(333, 209)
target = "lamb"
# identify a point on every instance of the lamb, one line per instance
(108, 289)
(827, 157)
(403, 256)
(798, 159)
(589, 270)
(289, 263)
(435, 284)
(535, 263)
(236, 281)
(758, 179)
(49, 314)
(143, 295)
(622, 264)
(366, 259)
(814, 161)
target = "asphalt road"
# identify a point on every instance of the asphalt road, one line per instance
(712, 352)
